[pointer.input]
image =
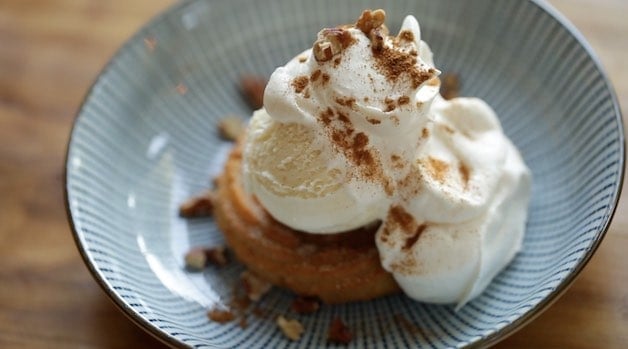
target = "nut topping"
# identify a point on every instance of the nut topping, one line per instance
(370, 20)
(290, 328)
(199, 206)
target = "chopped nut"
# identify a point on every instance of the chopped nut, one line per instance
(198, 206)
(324, 50)
(198, 258)
(450, 87)
(253, 89)
(231, 128)
(370, 19)
(220, 315)
(290, 328)
(217, 256)
(254, 286)
(305, 305)
(339, 332)
(330, 42)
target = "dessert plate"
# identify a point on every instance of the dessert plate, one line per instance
(145, 140)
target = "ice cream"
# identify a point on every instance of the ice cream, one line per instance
(354, 131)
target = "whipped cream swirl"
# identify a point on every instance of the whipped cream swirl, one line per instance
(354, 132)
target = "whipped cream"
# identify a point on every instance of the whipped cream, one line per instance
(354, 131)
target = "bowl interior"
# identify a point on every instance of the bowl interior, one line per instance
(145, 140)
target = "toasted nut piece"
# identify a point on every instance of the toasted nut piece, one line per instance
(290, 328)
(254, 286)
(231, 128)
(196, 259)
(217, 256)
(323, 50)
(305, 305)
(330, 42)
(198, 206)
(252, 87)
(339, 332)
(220, 315)
(370, 19)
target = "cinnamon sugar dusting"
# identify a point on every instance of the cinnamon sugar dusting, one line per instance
(406, 35)
(425, 132)
(403, 100)
(410, 241)
(345, 101)
(325, 78)
(465, 173)
(393, 64)
(437, 168)
(373, 121)
(399, 217)
(354, 146)
(390, 104)
(315, 75)
(300, 83)
(397, 161)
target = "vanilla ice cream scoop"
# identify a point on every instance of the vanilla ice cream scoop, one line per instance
(318, 156)
(354, 131)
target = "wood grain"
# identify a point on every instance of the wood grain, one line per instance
(52, 50)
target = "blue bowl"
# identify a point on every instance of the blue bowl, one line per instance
(145, 140)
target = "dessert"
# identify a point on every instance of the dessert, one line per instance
(357, 179)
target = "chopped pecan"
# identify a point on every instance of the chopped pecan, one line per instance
(231, 128)
(290, 328)
(220, 315)
(370, 19)
(198, 206)
(198, 258)
(339, 332)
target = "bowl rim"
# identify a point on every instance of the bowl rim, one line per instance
(486, 341)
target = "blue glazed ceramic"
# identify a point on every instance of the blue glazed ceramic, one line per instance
(145, 140)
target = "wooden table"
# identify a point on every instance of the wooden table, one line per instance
(51, 51)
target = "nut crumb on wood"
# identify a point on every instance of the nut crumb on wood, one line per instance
(231, 128)
(252, 86)
(305, 305)
(339, 332)
(254, 286)
(290, 328)
(220, 315)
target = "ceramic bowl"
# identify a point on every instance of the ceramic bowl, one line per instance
(145, 140)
